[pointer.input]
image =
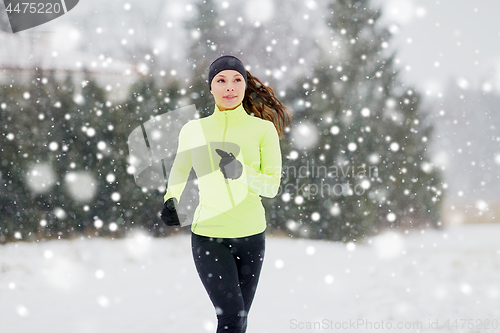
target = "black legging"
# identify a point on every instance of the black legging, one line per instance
(229, 269)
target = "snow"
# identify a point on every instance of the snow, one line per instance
(40, 177)
(80, 185)
(306, 135)
(143, 284)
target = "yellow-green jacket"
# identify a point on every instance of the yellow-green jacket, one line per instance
(228, 208)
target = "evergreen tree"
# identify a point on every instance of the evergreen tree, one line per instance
(361, 135)
(91, 157)
(36, 129)
(141, 207)
(13, 193)
(49, 138)
(141, 104)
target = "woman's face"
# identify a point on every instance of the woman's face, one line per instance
(228, 88)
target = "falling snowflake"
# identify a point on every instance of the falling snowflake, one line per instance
(40, 177)
(80, 185)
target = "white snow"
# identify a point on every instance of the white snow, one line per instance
(40, 177)
(80, 185)
(305, 135)
(143, 284)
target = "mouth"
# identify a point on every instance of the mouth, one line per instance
(229, 97)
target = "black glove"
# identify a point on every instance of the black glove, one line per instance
(230, 167)
(169, 214)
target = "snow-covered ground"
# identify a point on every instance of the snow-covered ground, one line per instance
(149, 285)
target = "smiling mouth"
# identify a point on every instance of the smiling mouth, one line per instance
(229, 97)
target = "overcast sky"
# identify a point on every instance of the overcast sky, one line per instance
(440, 39)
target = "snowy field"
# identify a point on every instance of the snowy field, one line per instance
(392, 282)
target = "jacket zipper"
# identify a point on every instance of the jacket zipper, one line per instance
(224, 146)
(226, 180)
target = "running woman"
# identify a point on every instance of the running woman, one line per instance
(236, 155)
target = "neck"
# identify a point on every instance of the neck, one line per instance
(224, 109)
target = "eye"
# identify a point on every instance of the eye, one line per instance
(219, 80)
(238, 80)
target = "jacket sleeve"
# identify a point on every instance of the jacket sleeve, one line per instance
(266, 180)
(181, 167)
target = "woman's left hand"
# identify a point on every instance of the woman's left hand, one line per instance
(230, 167)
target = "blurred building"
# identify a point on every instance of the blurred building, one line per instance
(21, 53)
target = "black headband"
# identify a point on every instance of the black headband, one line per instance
(223, 63)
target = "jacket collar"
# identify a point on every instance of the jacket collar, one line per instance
(233, 116)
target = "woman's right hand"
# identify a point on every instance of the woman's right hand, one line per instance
(169, 214)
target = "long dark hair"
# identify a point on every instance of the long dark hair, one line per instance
(261, 101)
